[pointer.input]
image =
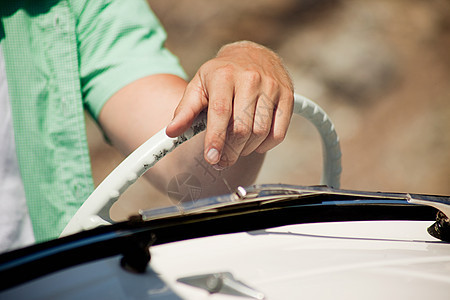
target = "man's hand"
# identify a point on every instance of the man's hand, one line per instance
(249, 97)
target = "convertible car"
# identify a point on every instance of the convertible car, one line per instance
(269, 241)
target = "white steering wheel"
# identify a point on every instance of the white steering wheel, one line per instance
(95, 210)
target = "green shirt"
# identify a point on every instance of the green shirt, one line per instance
(61, 57)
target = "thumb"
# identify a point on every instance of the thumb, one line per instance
(193, 102)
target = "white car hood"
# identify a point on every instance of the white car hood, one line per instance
(345, 260)
(339, 260)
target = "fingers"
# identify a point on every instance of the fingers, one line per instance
(281, 119)
(220, 110)
(249, 97)
(240, 126)
(260, 116)
(191, 104)
(263, 117)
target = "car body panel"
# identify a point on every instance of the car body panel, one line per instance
(339, 260)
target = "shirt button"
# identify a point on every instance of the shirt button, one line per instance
(60, 24)
(56, 20)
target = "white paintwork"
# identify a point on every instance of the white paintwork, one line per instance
(345, 260)
(95, 210)
(348, 260)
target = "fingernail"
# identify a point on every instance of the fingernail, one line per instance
(212, 156)
(171, 123)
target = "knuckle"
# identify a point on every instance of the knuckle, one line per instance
(279, 136)
(216, 138)
(272, 85)
(261, 130)
(225, 71)
(290, 96)
(252, 77)
(240, 130)
(246, 151)
(220, 107)
(213, 71)
(289, 104)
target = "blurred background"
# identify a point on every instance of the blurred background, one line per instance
(379, 68)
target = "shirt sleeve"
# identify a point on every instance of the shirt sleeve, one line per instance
(119, 41)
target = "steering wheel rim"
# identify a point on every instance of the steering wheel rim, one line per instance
(95, 210)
